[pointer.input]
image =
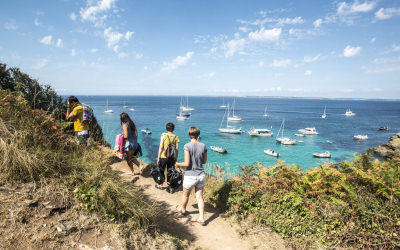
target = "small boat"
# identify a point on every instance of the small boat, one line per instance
(322, 155)
(124, 106)
(186, 108)
(260, 132)
(107, 110)
(146, 131)
(234, 118)
(223, 106)
(299, 135)
(229, 129)
(308, 131)
(218, 149)
(323, 116)
(271, 152)
(132, 109)
(385, 128)
(284, 140)
(361, 137)
(182, 115)
(265, 112)
(300, 141)
(349, 113)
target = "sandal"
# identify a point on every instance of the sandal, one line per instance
(179, 209)
(202, 223)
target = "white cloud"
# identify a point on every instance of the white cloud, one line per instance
(396, 47)
(122, 55)
(243, 29)
(209, 75)
(40, 64)
(72, 16)
(356, 7)
(116, 48)
(383, 69)
(373, 40)
(73, 52)
(281, 63)
(177, 62)
(10, 25)
(261, 64)
(128, 35)
(36, 22)
(308, 72)
(146, 68)
(111, 37)
(47, 40)
(59, 43)
(308, 59)
(234, 46)
(95, 10)
(213, 50)
(139, 56)
(351, 51)
(317, 23)
(387, 13)
(296, 20)
(94, 50)
(264, 35)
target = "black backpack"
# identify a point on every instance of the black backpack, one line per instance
(170, 150)
(158, 174)
(174, 178)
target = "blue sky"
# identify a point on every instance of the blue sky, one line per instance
(339, 49)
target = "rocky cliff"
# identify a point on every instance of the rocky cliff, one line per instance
(390, 150)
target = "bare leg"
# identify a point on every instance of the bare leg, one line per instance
(185, 200)
(200, 202)
(129, 160)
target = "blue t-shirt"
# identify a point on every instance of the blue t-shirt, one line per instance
(196, 151)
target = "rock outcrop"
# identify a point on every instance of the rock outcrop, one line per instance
(390, 150)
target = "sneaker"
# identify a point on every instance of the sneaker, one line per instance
(170, 190)
(159, 187)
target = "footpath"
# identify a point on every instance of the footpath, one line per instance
(218, 233)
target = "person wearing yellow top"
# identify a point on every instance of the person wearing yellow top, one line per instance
(81, 128)
(162, 160)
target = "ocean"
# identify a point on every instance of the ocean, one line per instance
(335, 132)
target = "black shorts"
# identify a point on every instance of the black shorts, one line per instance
(166, 163)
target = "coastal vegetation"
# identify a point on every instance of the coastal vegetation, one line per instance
(350, 204)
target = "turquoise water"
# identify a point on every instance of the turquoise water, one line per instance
(335, 132)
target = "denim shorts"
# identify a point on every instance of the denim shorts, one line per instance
(194, 181)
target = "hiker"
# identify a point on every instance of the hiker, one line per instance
(195, 155)
(81, 127)
(167, 161)
(131, 145)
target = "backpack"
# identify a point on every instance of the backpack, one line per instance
(170, 150)
(157, 174)
(87, 113)
(174, 178)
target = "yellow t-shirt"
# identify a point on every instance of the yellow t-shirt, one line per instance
(78, 124)
(172, 139)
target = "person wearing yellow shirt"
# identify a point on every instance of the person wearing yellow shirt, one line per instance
(81, 128)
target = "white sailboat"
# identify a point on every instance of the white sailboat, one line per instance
(107, 110)
(187, 107)
(229, 129)
(125, 106)
(284, 140)
(223, 106)
(234, 118)
(323, 116)
(265, 112)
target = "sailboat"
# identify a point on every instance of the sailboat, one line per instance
(186, 108)
(229, 129)
(108, 110)
(223, 106)
(323, 116)
(265, 112)
(182, 115)
(234, 118)
(284, 140)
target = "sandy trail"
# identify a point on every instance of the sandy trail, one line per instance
(218, 233)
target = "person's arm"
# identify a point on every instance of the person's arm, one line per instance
(160, 148)
(125, 130)
(205, 158)
(186, 161)
(69, 114)
(176, 151)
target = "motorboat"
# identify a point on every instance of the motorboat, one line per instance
(323, 116)
(308, 131)
(385, 128)
(146, 131)
(132, 109)
(284, 140)
(271, 152)
(361, 137)
(322, 155)
(260, 132)
(299, 135)
(234, 118)
(349, 113)
(218, 149)
(125, 107)
(300, 141)
(228, 129)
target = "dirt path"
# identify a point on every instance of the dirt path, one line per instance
(218, 232)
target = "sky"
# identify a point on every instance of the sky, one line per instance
(331, 49)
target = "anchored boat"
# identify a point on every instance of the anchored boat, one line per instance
(271, 152)
(217, 149)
